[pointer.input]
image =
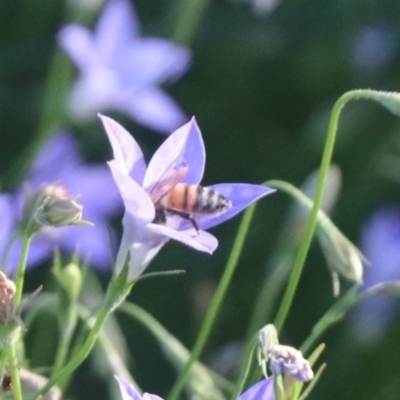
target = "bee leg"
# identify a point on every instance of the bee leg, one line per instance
(185, 215)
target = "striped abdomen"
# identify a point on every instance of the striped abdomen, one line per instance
(194, 199)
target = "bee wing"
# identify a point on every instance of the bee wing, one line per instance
(168, 180)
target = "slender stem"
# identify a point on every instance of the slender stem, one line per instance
(245, 369)
(13, 367)
(190, 13)
(312, 221)
(117, 291)
(20, 274)
(215, 303)
(108, 347)
(67, 333)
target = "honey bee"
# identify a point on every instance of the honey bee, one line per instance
(172, 197)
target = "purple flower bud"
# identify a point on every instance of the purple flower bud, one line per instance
(288, 360)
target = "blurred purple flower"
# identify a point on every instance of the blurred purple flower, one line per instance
(263, 390)
(60, 162)
(129, 392)
(141, 237)
(119, 70)
(375, 46)
(380, 242)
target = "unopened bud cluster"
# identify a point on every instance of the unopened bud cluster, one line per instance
(283, 360)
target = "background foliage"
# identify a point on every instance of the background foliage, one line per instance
(261, 88)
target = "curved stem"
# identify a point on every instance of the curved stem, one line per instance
(215, 303)
(312, 221)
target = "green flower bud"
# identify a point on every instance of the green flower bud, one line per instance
(267, 338)
(342, 256)
(58, 212)
(72, 280)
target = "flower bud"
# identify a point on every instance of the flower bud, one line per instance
(288, 360)
(72, 280)
(58, 212)
(36, 198)
(50, 205)
(267, 338)
(7, 291)
(342, 256)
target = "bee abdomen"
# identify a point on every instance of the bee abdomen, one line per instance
(209, 201)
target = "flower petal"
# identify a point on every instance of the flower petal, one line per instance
(137, 202)
(262, 390)
(152, 107)
(77, 42)
(127, 153)
(202, 241)
(240, 194)
(153, 61)
(128, 391)
(185, 144)
(116, 27)
(97, 191)
(46, 166)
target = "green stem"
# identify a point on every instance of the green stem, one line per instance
(20, 274)
(215, 303)
(245, 369)
(312, 221)
(13, 367)
(68, 330)
(190, 13)
(116, 293)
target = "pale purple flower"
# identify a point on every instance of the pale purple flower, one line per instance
(129, 392)
(60, 162)
(288, 360)
(141, 237)
(380, 242)
(122, 71)
(263, 390)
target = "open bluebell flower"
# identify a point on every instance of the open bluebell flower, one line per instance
(263, 390)
(143, 238)
(129, 392)
(119, 70)
(60, 162)
(380, 242)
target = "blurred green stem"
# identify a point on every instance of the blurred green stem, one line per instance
(312, 221)
(215, 303)
(116, 293)
(333, 315)
(244, 372)
(52, 117)
(13, 367)
(20, 274)
(68, 329)
(190, 13)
